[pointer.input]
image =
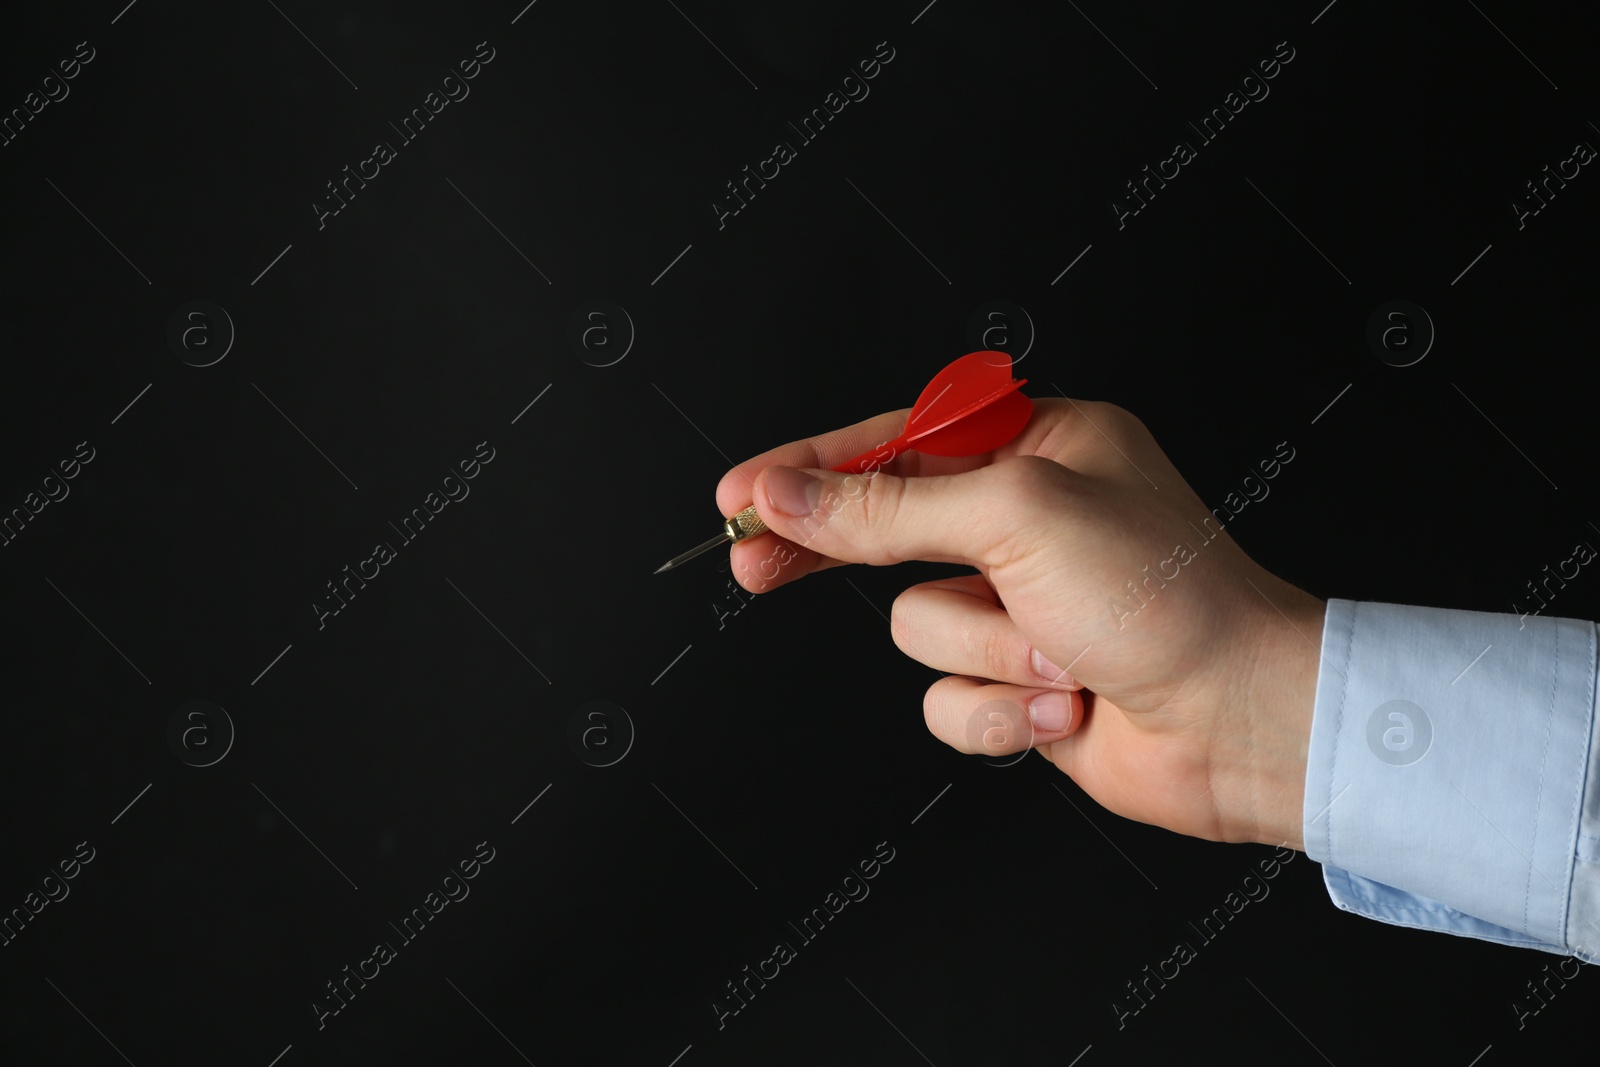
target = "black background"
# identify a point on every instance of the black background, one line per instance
(425, 716)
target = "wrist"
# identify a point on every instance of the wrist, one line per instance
(1277, 701)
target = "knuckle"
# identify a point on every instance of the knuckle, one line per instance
(876, 501)
(879, 501)
(1031, 477)
(1032, 492)
(1001, 654)
(1120, 424)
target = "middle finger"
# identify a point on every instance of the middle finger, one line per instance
(957, 625)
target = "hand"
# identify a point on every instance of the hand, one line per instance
(1193, 670)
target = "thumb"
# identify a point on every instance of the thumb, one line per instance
(879, 518)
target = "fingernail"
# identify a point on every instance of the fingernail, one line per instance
(1051, 712)
(1049, 671)
(793, 492)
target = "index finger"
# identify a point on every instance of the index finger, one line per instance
(767, 560)
(827, 450)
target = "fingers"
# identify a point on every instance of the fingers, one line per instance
(764, 562)
(1105, 441)
(769, 559)
(1096, 439)
(957, 625)
(984, 517)
(734, 491)
(1086, 435)
(997, 719)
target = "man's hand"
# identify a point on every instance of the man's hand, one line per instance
(1192, 670)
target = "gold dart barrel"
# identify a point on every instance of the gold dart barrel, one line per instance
(745, 524)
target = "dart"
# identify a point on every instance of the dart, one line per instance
(971, 407)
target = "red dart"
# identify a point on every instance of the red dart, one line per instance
(971, 407)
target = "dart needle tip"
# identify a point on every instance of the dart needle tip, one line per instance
(721, 538)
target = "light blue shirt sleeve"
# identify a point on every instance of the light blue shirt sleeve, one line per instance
(1451, 782)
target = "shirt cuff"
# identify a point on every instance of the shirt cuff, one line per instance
(1448, 782)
